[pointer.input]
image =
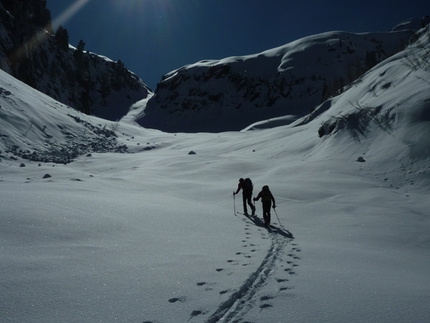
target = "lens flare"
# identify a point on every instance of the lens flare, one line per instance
(70, 12)
(20, 53)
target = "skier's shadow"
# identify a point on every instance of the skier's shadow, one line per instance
(260, 223)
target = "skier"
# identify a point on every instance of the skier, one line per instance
(266, 200)
(246, 186)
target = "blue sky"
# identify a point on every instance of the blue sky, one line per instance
(153, 37)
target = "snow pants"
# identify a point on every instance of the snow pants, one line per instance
(267, 205)
(247, 196)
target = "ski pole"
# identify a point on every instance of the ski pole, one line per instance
(234, 203)
(278, 218)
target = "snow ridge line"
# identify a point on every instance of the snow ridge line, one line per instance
(239, 302)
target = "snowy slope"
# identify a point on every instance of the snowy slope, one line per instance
(150, 235)
(38, 128)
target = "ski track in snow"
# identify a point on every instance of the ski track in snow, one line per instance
(274, 267)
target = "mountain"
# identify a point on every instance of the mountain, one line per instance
(106, 221)
(231, 93)
(33, 53)
(389, 101)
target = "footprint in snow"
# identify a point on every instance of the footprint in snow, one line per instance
(263, 306)
(292, 264)
(293, 256)
(290, 271)
(281, 280)
(196, 313)
(204, 283)
(177, 299)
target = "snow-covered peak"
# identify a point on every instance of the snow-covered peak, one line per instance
(234, 92)
(413, 24)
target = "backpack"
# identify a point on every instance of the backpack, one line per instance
(248, 184)
(266, 195)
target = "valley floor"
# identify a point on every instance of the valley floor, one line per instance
(152, 237)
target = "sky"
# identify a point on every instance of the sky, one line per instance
(154, 37)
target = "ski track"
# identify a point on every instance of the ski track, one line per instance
(247, 296)
(277, 267)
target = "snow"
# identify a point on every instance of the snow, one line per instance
(151, 235)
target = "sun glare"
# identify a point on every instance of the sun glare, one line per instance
(70, 12)
(21, 52)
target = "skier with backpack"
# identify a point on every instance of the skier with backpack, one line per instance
(246, 186)
(266, 200)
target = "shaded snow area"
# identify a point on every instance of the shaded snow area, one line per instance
(231, 93)
(148, 232)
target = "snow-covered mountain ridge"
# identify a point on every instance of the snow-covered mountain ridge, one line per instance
(390, 101)
(33, 53)
(231, 93)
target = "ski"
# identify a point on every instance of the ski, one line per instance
(247, 215)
